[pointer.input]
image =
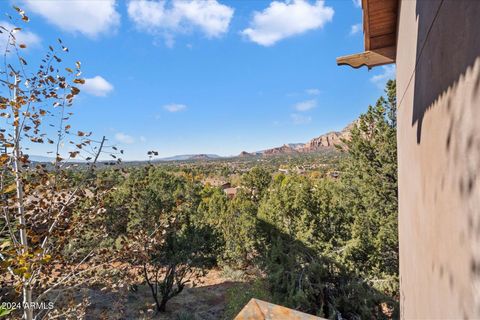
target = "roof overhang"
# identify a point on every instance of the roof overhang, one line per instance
(380, 34)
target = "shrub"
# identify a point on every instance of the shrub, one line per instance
(240, 294)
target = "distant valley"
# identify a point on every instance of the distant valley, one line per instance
(324, 142)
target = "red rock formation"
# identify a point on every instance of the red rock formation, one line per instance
(323, 142)
(285, 149)
(245, 154)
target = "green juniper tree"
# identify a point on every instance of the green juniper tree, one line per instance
(370, 180)
(330, 247)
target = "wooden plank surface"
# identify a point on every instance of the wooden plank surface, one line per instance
(380, 35)
(369, 58)
(261, 310)
(380, 23)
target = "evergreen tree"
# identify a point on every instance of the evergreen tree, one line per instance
(370, 179)
(257, 181)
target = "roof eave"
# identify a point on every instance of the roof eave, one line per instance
(369, 58)
(379, 42)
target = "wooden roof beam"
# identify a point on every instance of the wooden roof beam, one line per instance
(380, 35)
(369, 58)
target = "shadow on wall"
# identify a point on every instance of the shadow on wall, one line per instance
(444, 53)
(448, 51)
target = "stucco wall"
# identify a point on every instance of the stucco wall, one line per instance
(438, 88)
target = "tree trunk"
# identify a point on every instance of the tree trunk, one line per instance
(27, 300)
(27, 291)
(163, 305)
(152, 288)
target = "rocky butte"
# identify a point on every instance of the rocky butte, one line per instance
(325, 141)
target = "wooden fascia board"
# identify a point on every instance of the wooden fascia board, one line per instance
(369, 58)
(366, 25)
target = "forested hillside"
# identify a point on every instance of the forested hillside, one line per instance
(327, 246)
(313, 231)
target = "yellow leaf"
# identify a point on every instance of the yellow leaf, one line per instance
(20, 271)
(47, 258)
(5, 244)
(4, 158)
(9, 189)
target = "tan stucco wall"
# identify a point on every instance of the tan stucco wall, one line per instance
(439, 158)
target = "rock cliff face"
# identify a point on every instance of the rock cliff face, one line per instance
(325, 141)
(245, 154)
(285, 149)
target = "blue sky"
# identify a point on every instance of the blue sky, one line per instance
(208, 76)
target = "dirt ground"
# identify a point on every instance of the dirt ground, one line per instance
(205, 301)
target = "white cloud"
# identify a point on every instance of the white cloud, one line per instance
(356, 28)
(211, 16)
(180, 16)
(357, 3)
(97, 86)
(174, 107)
(313, 91)
(388, 72)
(285, 19)
(306, 105)
(89, 18)
(28, 38)
(143, 139)
(124, 138)
(300, 119)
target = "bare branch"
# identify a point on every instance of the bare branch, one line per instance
(70, 198)
(68, 276)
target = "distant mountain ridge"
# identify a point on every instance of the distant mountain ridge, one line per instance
(36, 158)
(185, 157)
(325, 141)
